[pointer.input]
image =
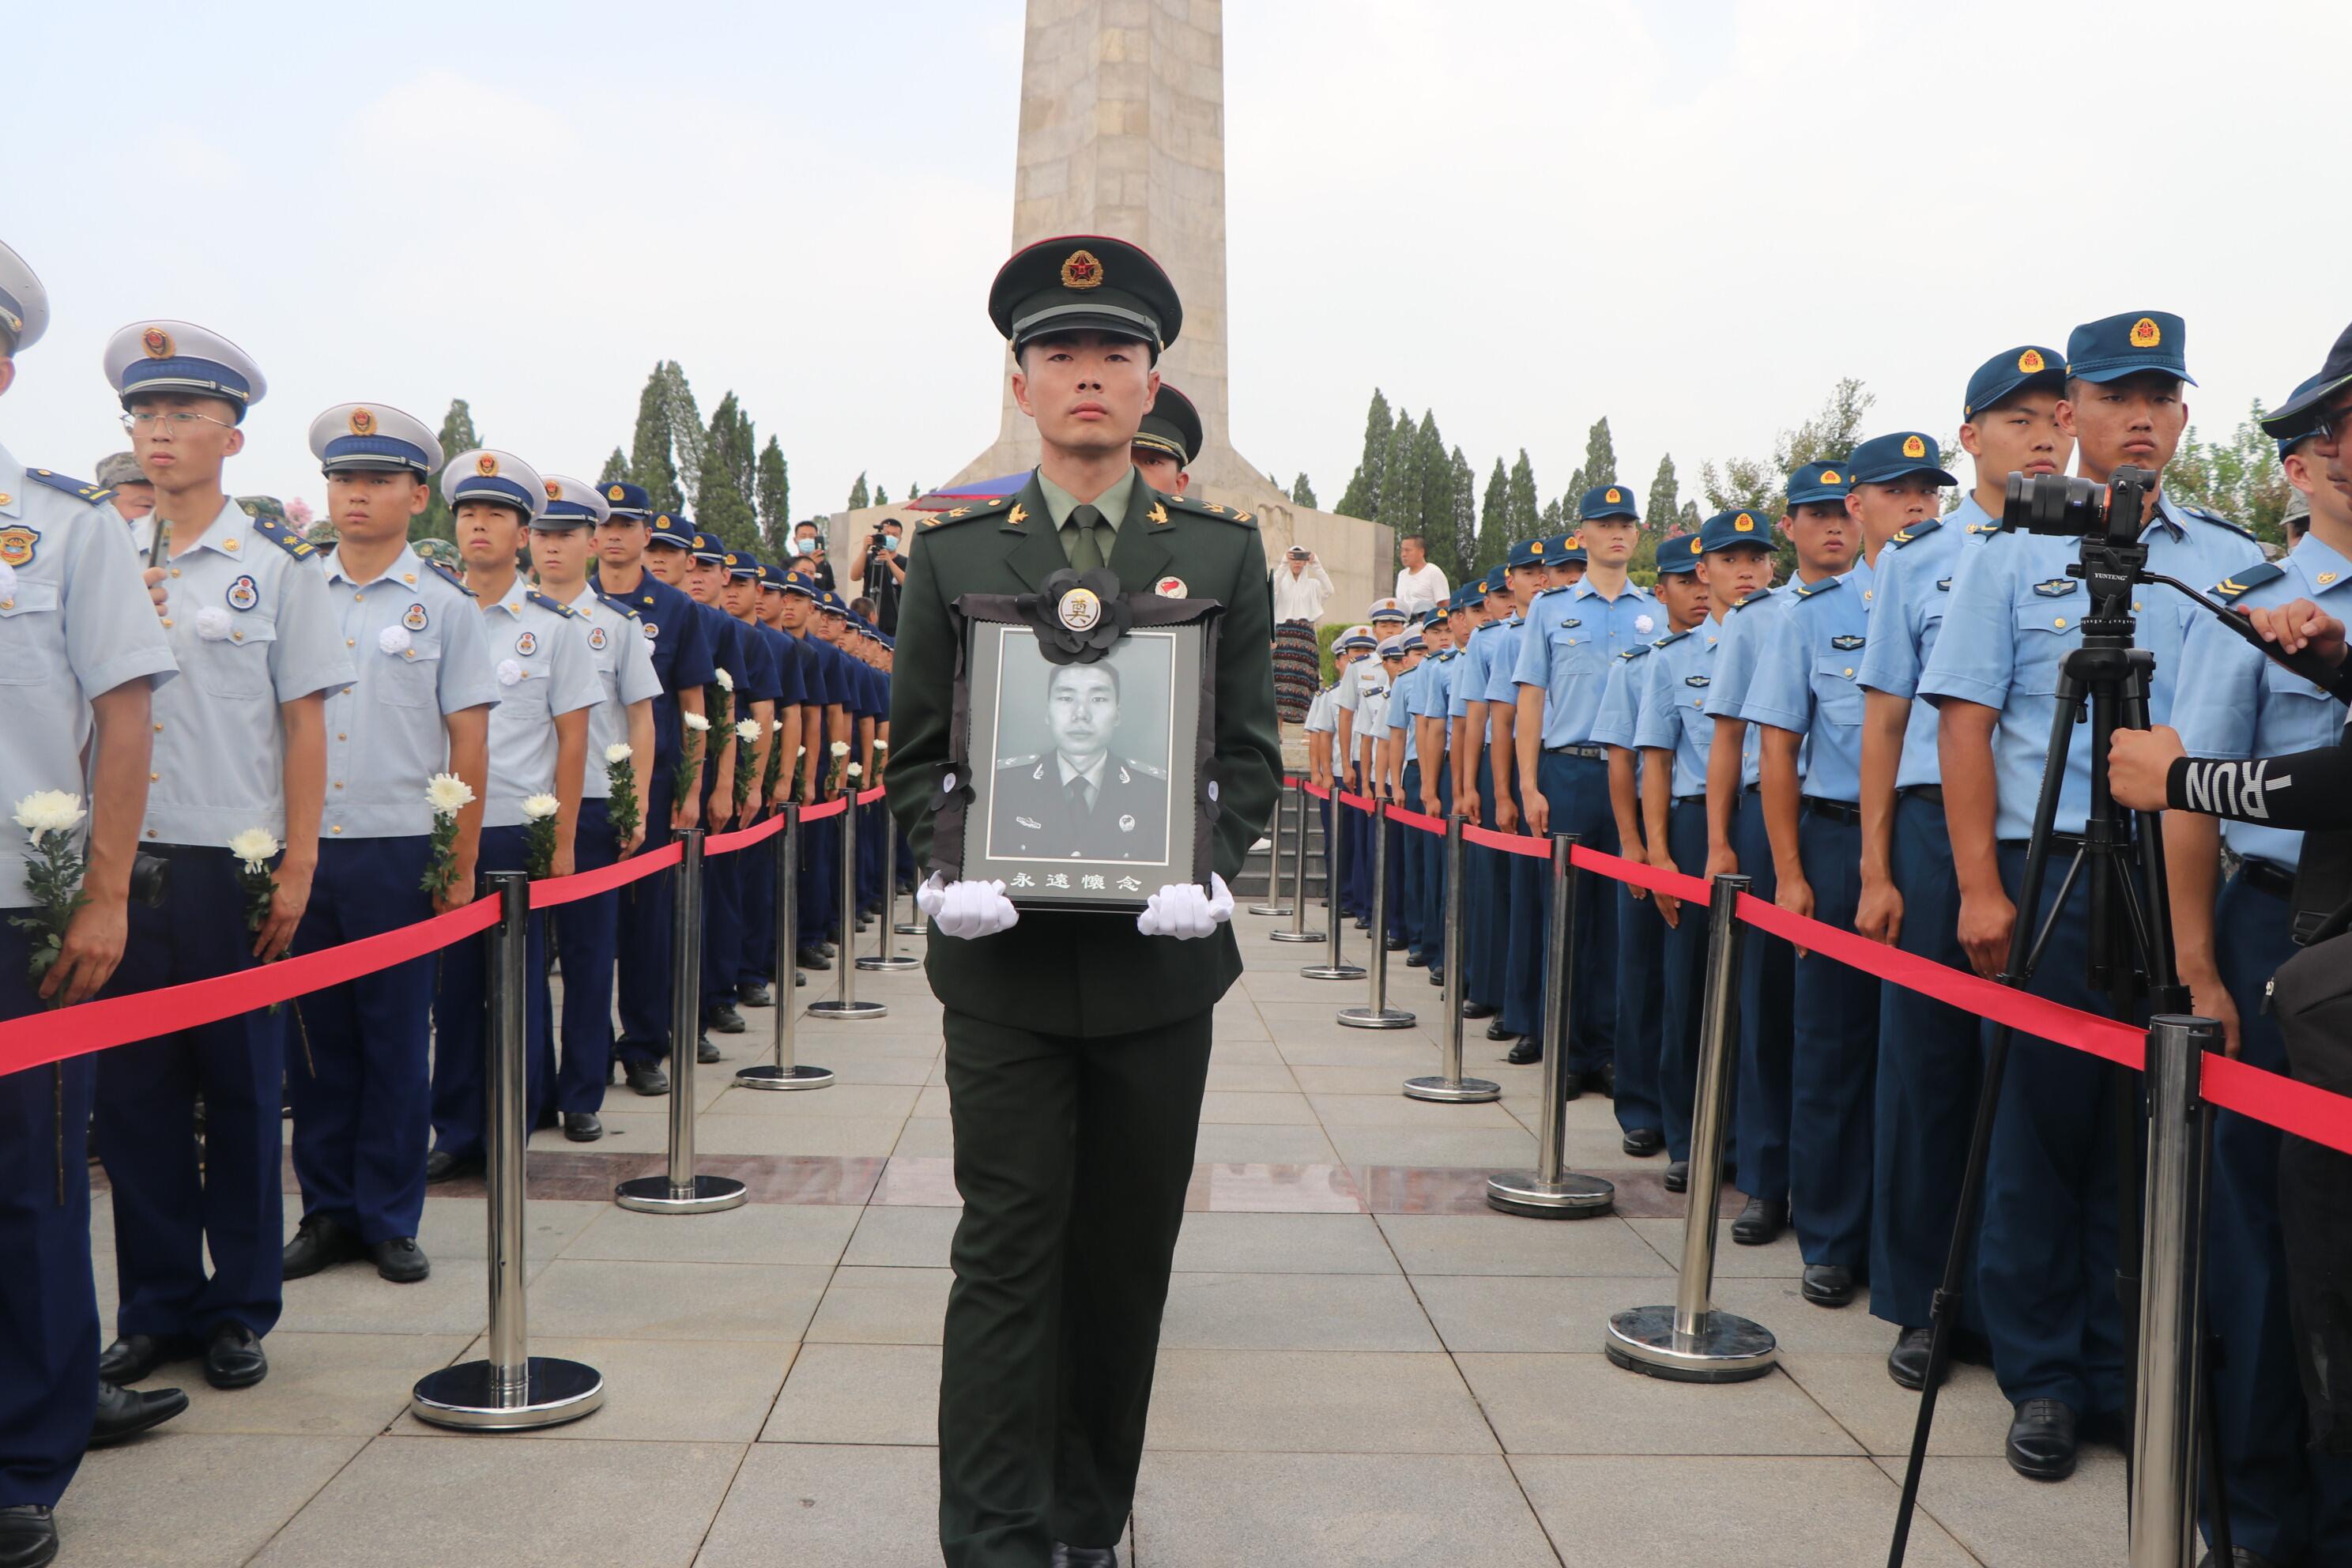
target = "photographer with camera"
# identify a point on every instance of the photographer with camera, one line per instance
(2049, 1238)
(880, 569)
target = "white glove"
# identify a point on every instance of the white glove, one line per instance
(1186, 909)
(966, 908)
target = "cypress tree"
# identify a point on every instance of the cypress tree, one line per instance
(1304, 493)
(1399, 500)
(650, 464)
(1494, 522)
(1521, 514)
(1659, 519)
(1568, 501)
(616, 468)
(775, 490)
(1463, 504)
(686, 437)
(858, 499)
(881, 495)
(1600, 459)
(1434, 469)
(1362, 496)
(457, 435)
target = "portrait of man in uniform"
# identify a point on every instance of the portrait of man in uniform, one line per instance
(1079, 799)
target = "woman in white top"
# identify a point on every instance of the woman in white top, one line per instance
(1300, 587)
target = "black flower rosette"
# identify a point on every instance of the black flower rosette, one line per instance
(1078, 616)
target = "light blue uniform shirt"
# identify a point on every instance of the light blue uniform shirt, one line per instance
(1372, 722)
(1804, 679)
(1620, 714)
(1323, 711)
(418, 653)
(1915, 584)
(2242, 705)
(2014, 614)
(1573, 635)
(1746, 628)
(1500, 675)
(75, 624)
(624, 662)
(540, 659)
(1672, 716)
(1403, 694)
(1469, 683)
(251, 628)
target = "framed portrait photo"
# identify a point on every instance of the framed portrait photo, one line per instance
(1085, 784)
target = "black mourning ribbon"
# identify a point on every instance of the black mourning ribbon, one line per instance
(951, 785)
(1062, 645)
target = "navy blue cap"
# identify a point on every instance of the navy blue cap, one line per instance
(707, 549)
(741, 565)
(2296, 417)
(1566, 548)
(1678, 554)
(1609, 500)
(1727, 528)
(1493, 582)
(629, 501)
(2117, 346)
(794, 583)
(672, 530)
(1819, 482)
(2011, 371)
(830, 602)
(1892, 457)
(1533, 552)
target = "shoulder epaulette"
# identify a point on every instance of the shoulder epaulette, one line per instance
(1018, 762)
(1757, 597)
(1636, 651)
(971, 509)
(81, 490)
(1207, 509)
(1904, 536)
(533, 595)
(2218, 520)
(2239, 584)
(451, 575)
(619, 605)
(1991, 527)
(1146, 769)
(1670, 640)
(285, 538)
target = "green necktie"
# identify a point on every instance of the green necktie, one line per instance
(1085, 553)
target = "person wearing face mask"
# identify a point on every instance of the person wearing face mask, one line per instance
(808, 556)
(880, 570)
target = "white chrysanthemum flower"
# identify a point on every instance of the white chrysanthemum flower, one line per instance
(395, 640)
(1645, 625)
(447, 795)
(7, 580)
(255, 846)
(540, 807)
(510, 672)
(618, 752)
(695, 721)
(726, 682)
(748, 731)
(881, 745)
(775, 724)
(212, 624)
(855, 769)
(49, 811)
(841, 748)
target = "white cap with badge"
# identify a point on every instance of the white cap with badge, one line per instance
(152, 356)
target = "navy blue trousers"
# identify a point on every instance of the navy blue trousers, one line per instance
(1490, 904)
(167, 1214)
(2288, 1502)
(361, 1077)
(1768, 983)
(48, 1310)
(872, 821)
(461, 1021)
(1832, 1063)
(586, 934)
(820, 881)
(1683, 982)
(1930, 1074)
(641, 940)
(2046, 1254)
(1433, 880)
(1359, 863)
(1577, 789)
(722, 925)
(1410, 851)
(759, 878)
(1640, 977)
(1396, 883)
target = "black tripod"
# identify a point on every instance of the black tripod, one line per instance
(2128, 932)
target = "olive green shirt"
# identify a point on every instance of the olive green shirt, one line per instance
(1060, 503)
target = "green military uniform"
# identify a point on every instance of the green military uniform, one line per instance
(1076, 1048)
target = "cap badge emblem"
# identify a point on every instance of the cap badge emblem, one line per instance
(1694, 544)
(2031, 362)
(662, 521)
(1079, 610)
(1082, 270)
(1537, 548)
(486, 465)
(362, 422)
(1614, 496)
(1744, 523)
(1169, 588)
(157, 342)
(617, 493)
(1830, 475)
(1913, 447)
(2145, 333)
(554, 490)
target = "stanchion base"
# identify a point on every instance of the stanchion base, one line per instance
(654, 1195)
(850, 1010)
(1278, 912)
(1333, 972)
(1452, 1091)
(909, 928)
(1298, 936)
(1729, 1349)
(1571, 1197)
(465, 1395)
(768, 1075)
(1375, 1018)
(889, 965)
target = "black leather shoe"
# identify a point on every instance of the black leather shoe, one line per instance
(1760, 1223)
(799, 978)
(1643, 1142)
(132, 1357)
(1571, 1083)
(1906, 1363)
(233, 1357)
(755, 993)
(1417, 960)
(830, 950)
(318, 1244)
(810, 958)
(582, 1126)
(646, 1078)
(1678, 1175)
(1067, 1556)
(1436, 975)
(1828, 1284)
(705, 1052)
(401, 1261)
(443, 1166)
(1526, 1051)
(1395, 945)
(1605, 1081)
(127, 1412)
(720, 1017)
(1476, 1010)
(1494, 1031)
(28, 1536)
(2042, 1440)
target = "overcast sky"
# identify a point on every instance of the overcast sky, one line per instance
(1692, 216)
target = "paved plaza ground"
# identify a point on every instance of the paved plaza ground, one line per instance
(1361, 1365)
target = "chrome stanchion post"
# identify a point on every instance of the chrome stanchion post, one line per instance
(1693, 1340)
(1449, 1087)
(1334, 871)
(1274, 904)
(1299, 931)
(510, 1389)
(679, 1190)
(846, 1005)
(784, 1072)
(885, 958)
(2171, 1295)
(1552, 1191)
(1377, 1013)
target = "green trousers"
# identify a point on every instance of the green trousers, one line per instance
(1072, 1155)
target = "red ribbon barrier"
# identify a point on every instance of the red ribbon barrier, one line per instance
(556, 891)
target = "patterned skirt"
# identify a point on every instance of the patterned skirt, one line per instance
(1297, 669)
